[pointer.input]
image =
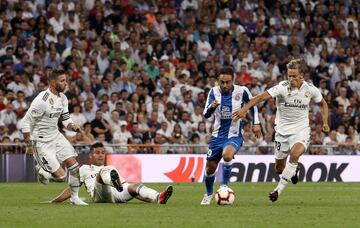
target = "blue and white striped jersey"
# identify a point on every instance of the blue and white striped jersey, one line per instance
(225, 126)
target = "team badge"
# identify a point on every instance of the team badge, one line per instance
(307, 94)
(34, 112)
(51, 101)
(237, 97)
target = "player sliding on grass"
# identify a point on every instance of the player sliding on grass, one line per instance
(104, 184)
(292, 121)
(43, 139)
(226, 137)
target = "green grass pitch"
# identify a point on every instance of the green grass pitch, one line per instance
(301, 205)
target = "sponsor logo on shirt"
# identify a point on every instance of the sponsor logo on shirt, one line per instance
(300, 106)
(225, 112)
(297, 104)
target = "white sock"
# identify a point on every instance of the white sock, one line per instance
(148, 193)
(74, 180)
(287, 174)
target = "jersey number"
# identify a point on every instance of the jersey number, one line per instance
(277, 145)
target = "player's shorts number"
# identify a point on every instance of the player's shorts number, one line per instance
(209, 153)
(44, 161)
(277, 145)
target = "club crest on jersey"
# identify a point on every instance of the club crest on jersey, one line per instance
(34, 112)
(307, 94)
(51, 101)
(237, 96)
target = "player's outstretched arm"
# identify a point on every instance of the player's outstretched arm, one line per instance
(240, 114)
(62, 197)
(325, 115)
(27, 140)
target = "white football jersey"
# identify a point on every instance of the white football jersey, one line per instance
(41, 119)
(292, 113)
(88, 175)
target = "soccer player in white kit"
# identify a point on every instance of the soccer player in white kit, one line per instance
(291, 122)
(105, 185)
(43, 139)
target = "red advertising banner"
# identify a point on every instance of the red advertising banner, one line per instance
(246, 168)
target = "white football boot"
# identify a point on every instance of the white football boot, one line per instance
(77, 201)
(43, 176)
(206, 200)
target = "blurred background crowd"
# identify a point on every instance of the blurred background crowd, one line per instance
(140, 71)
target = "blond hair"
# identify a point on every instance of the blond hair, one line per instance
(297, 64)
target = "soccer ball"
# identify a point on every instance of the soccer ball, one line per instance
(225, 196)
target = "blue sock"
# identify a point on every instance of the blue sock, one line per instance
(209, 183)
(226, 169)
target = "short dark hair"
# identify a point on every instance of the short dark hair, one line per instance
(56, 73)
(227, 70)
(95, 145)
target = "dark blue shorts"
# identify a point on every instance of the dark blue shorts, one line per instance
(218, 144)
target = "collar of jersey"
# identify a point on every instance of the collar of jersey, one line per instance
(228, 92)
(52, 93)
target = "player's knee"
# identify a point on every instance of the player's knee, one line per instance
(294, 158)
(60, 179)
(209, 171)
(227, 158)
(279, 168)
(134, 189)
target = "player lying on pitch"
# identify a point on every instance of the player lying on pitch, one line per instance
(105, 185)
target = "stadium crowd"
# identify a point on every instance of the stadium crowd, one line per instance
(139, 71)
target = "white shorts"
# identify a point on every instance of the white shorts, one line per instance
(108, 194)
(284, 143)
(49, 155)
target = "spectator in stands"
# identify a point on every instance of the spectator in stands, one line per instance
(123, 137)
(15, 85)
(100, 126)
(19, 104)
(342, 99)
(77, 115)
(164, 131)
(8, 116)
(177, 136)
(331, 140)
(318, 135)
(160, 48)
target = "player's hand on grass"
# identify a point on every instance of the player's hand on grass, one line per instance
(46, 202)
(257, 130)
(215, 104)
(326, 128)
(240, 114)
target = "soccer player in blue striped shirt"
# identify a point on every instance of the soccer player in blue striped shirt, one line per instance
(226, 137)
